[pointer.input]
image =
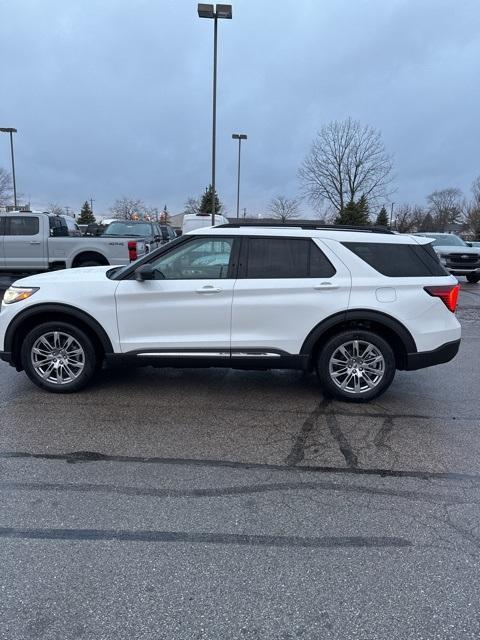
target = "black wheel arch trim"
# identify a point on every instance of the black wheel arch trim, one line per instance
(65, 309)
(367, 315)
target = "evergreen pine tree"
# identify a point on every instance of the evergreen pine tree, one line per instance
(354, 214)
(206, 203)
(363, 210)
(86, 215)
(382, 218)
(165, 216)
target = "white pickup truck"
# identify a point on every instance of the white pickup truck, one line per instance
(32, 242)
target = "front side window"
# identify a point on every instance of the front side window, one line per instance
(286, 258)
(202, 258)
(22, 226)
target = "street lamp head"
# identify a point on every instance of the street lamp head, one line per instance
(239, 136)
(8, 130)
(224, 11)
(206, 11)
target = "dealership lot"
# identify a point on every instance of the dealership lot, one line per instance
(229, 504)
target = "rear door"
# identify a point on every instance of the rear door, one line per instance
(285, 287)
(25, 244)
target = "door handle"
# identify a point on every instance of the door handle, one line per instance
(35, 242)
(325, 285)
(208, 288)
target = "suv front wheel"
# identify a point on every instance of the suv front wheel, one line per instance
(59, 357)
(356, 366)
(473, 277)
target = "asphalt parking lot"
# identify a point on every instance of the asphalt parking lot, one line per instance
(207, 504)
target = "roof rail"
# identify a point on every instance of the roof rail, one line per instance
(292, 225)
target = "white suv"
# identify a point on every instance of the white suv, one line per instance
(354, 305)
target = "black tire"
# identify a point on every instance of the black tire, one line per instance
(473, 278)
(90, 263)
(82, 365)
(356, 371)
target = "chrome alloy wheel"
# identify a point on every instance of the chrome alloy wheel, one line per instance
(58, 357)
(357, 366)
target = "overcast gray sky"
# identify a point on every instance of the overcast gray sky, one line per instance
(113, 97)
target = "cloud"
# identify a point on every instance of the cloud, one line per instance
(114, 97)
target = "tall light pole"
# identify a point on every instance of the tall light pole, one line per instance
(239, 137)
(216, 12)
(391, 214)
(11, 131)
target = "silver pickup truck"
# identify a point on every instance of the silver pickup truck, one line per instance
(40, 242)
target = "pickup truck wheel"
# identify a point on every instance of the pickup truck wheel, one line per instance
(473, 278)
(58, 357)
(356, 366)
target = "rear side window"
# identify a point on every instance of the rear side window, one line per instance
(286, 258)
(22, 226)
(399, 260)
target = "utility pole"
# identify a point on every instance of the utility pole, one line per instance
(91, 204)
(391, 214)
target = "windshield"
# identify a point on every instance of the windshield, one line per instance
(128, 229)
(448, 240)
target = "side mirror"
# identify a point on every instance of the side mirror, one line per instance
(145, 272)
(469, 244)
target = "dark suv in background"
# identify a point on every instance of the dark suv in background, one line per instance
(153, 233)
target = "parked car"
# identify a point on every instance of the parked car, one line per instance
(41, 242)
(458, 257)
(352, 305)
(152, 233)
(192, 221)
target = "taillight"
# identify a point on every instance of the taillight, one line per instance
(448, 293)
(132, 250)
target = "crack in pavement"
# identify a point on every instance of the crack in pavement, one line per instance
(297, 452)
(343, 444)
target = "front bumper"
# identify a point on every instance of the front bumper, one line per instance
(423, 359)
(458, 271)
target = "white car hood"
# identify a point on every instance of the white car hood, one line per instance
(80, 274)
(448, 248)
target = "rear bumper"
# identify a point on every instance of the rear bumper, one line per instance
(423, 359)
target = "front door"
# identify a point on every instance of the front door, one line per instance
(188, 305)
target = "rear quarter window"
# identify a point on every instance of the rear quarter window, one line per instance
(398, 260)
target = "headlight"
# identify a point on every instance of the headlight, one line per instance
(15, 294)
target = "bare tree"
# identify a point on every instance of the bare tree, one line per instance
(346, 160)
(5, 187)
(192, 206)
(446, 206)
(283, 208)
(56, 209)
(127, 208)
(409, 218)
(473, 211)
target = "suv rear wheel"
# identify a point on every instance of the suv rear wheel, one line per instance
(59, 357)
(356, 366)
